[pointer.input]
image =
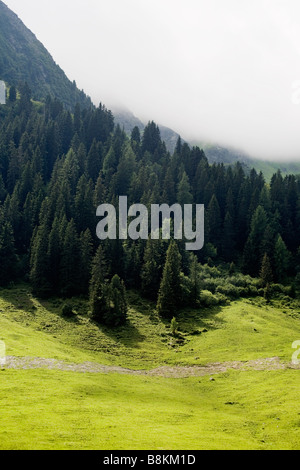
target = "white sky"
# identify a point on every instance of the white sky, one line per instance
(219, 70)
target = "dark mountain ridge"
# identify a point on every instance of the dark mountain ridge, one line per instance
(23, 58)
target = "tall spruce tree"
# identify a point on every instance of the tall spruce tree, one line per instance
(39, 262)
(169, 298)
(282, 258)
(116, 314)
(266, 273)
(70, 262)
(98, 287)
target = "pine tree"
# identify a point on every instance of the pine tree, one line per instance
(133, 253)
(282, 258)
(70, 262)
(85, 212)
(12, 97)
(54, 255)
(98, 287)
(228, 239)
(214, 222)
(39, 262)
(86, 256)
(117, 302)
(170, 288)
(151, 138)
(125, 170)
(152, 270)
(253, 252)
(195, 281)
(266, 273)
(93, 162)
(8, 256)
(184, 195)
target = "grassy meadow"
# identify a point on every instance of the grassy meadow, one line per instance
(235, 409)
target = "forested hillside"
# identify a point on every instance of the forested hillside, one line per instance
(57, 167)
(24, 59)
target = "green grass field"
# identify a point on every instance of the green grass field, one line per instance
(52, 409)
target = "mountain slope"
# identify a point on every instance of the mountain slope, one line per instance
(127, 120)
(24, 59)
(214, 153)
(228, 156)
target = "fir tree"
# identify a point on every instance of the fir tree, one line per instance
(8, 256)
(86, 256)
(70, 262)
(170, 288)
(184, 195)
(266, 273)
(282, 259)
(98, 291)
(152, 269)
(39, 262)
(116, 314)
(195, 281)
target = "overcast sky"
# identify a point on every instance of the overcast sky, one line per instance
(226, 71)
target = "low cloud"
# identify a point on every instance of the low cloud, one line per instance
(224, 72)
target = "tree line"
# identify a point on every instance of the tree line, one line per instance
(57, 167)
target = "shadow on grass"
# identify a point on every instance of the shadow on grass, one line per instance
(195, 321)
(19, 296)
(77, 308)
(191, 320)
(128, 335)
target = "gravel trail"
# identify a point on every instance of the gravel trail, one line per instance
(27, 363)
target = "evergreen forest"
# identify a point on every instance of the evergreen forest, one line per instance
(58, 165)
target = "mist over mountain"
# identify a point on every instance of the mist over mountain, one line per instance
(215, 153)
(127, 120)
(23, 58)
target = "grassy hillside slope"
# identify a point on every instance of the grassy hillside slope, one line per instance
(232, 409)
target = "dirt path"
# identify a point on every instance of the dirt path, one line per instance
(23, 363)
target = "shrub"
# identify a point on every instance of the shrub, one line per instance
(67, 310)
(229, 290)
(222, 299)
(261, 292)
(174, 326)
(280, 289)
(209, 300)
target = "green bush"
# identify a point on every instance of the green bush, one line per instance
(208, 299)
(280, 289)
(67, 310)
(261, 292)
(229, 290)
(222, 299)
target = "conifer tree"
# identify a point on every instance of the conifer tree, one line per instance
(253, 252)
(86, 255)
(214, 222)
(282, 259)
(170, 288)
(266, 273)
(70, 262)
(184, 195)
(39, 262)
(54, 255)
(8, 257)
(228, 239)
(12, 97)
(98, 287)
(195, 281)
(93, 162)
(152, 270)
(116, 314)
